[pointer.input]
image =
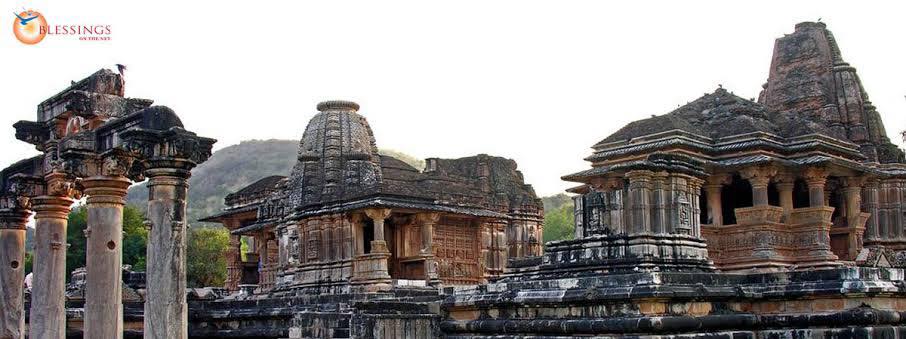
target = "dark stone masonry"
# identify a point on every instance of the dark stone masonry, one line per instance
(725, 218)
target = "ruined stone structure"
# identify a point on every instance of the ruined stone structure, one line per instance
(348, 219)
(797, 179)
(95, 142)
(724, 218)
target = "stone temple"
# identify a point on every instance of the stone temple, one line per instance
(348, 219)
(781, 217)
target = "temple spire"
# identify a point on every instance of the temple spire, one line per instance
(809, 76)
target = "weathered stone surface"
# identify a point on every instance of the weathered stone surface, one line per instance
(166, 309)
(12, 273)
(47, 317)
(104, 256)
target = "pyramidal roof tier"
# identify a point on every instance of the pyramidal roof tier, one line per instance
(812, 107)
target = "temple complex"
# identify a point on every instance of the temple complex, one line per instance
(781, 217)
(348, 219)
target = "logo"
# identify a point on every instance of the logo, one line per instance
(30, 27)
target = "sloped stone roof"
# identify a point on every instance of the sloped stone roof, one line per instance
(339, 168)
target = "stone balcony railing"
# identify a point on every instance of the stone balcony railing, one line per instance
(812, 215)
(758, 215)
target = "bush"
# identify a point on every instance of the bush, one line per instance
(205, 256)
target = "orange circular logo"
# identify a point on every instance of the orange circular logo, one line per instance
(30, 27)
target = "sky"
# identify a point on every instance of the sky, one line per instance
(536, 81)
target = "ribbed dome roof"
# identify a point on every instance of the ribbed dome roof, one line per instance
(338, 156)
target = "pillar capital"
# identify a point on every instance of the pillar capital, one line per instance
(14, 218)
(854, 183)
(815, 175)
(378, 213)
(106, 189)
(48, 206)
(758, 175)
(717, 180)
(606, 184)
(427, 218)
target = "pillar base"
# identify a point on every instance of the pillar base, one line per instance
(370, 272)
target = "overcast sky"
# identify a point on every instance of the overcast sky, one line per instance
(538, 82)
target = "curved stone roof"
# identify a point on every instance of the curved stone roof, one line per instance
(338, 156)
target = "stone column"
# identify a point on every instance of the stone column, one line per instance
(870, 192)
(371, 270)
(815, 178)
(234, 263)
(427, 221)
(12, 272)
(358, 234)
(695, 189)
(378, 215)
(48, 293)
(166, 311)
(263, 243)
(852, 195)
(104, 256)
(713, 186)
(658, 203)
(759, 177)
(639, 205)
(785, 185)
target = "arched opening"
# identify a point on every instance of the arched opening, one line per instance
(735, 195)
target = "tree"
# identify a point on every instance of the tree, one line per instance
(205, 256)
(559, 223)
(135, 238)
(75, 238)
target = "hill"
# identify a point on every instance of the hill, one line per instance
(233, 167)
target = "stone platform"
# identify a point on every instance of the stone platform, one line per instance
(837, 303)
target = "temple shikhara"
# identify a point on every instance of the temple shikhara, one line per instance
(780, 216)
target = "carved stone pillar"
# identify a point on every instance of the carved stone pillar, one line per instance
(234, 263)
(104, 256)
(785, 184)
(12, 271)
(166, 310)
(48, 298)
(713, 186)
(659, 202)
(759, 177)
(639, 203)
(695, 189)
(264, 248)
(371, 270)
(870, 205)
(358, 233)
(855, 219)
(379, 244)
(614, 196)
(427, 221)
(815, 178)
